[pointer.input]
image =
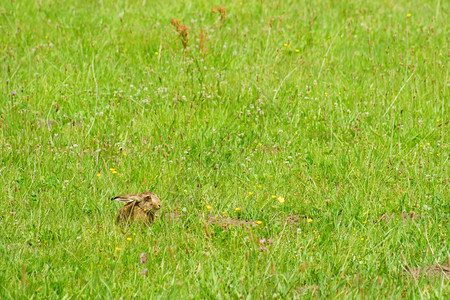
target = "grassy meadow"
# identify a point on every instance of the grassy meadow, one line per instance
(316, 133)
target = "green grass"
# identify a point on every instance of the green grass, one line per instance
(340, 107)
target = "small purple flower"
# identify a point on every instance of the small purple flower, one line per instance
(144, 272)
(143, 257)
(262, 249)
(270, 241)
(14, 92)
(262, 241)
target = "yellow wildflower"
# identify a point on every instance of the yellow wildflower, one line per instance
(281, 199)
(309, 220)
(124, 154)
(250, 193)
(156, 53)
(129, 239)
(273, 196)
(237, 209)
(99, 175)
(209, 207)
(259, 222)
(408, 15)
(117, 249)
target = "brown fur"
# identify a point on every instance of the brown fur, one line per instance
(139, 208)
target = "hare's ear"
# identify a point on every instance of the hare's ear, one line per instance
(125, 198)
(148, 198)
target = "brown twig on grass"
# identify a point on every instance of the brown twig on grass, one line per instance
(222, 11)
(183, 32)
(202, 42)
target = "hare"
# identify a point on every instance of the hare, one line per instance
(139, 207)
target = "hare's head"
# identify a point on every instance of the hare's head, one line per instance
(150, 202)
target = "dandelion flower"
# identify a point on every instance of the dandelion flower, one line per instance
(250, 193)
(238, 209)
(99, 175)
(296, 50)
(408, 15)
(281, 199)
(309, 220)
(129, 239)
(259, 222)
(209, 207)
(273, 196)
(224, 212)
(156, 53)
(124, 154)
(117, 249)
